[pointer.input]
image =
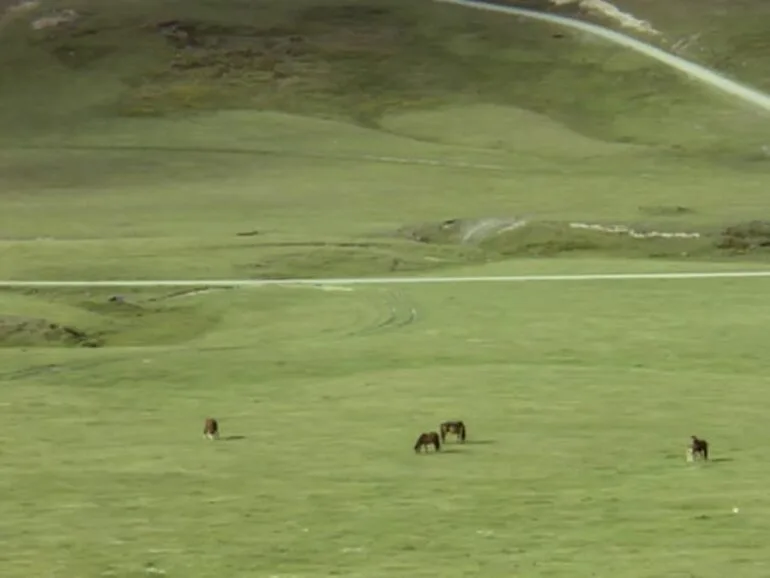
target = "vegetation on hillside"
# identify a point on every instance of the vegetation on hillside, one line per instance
(334, 58)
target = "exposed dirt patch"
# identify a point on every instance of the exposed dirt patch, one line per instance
(610, 12)
(17, 331)
(11, 9)
(598, 10)
(464, 231)
(18, 7)
(53, 20)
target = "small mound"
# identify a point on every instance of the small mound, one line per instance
(125, 321)
(463, 231)
(744, 237)
(17, 331)
(500, 238)
(96, 318)
(554, 238)
(665, 210)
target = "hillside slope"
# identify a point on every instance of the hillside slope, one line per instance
(349, 60)
(339, 137)
(732, 37)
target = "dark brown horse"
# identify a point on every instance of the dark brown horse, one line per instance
(426, 439)
(211, 428)
(699, 447)
(454, 427)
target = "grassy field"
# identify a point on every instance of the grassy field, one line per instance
(579, 400)
(321, 138)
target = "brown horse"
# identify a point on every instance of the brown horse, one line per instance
(454, 427)
(699, 447)
(426, 439)
(211, 428)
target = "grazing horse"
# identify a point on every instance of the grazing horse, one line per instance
(698, 447)
(454, 427)
(211, 428)
(426, 439)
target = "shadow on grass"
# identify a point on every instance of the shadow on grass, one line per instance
(232, 438)
(479, 442)
(702, 462)
(443, 450)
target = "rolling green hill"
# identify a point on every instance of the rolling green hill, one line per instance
(241, 112)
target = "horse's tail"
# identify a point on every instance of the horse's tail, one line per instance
(705, 450)
(443, 429)
(462, 432)
(437, 443)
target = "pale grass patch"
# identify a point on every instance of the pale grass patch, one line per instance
(63, 17)
(608, 10)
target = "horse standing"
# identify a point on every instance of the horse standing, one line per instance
(211, 428)
(454, 427)
(427, 439)
(698, 447)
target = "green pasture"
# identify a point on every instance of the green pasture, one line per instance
(378, 138)
(579, 399)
